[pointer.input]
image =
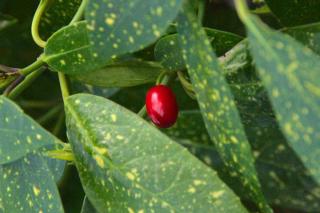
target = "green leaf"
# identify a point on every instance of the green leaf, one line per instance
(309, 35)
(20, 135)
(119, 155)
(123, 74)
(58, 15)
(293, 13)
(69, 50)
(118, 27)
(218, 107)
(289, 71)
(285, 181)
(27, 185)
(87, 206)
(168, 51)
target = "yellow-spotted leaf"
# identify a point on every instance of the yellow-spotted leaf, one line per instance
(27, 185)
(69, 51)
(121, 156)
(118, 26)
(58, 14)
(20, 135)
(218, 106)
(290, 73)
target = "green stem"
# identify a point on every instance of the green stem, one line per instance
(25, 83)
(64, 86)
(36, 21)
(80, 12)
(50, 114)
(32, 67)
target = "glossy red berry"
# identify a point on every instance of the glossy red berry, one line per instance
(162, 106)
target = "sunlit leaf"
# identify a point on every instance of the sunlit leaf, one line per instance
(119, 155)
(117, 27)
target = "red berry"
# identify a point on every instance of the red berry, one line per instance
(162, 106)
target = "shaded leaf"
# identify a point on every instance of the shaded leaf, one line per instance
(285, 181)
(309, 35)
(168, 52)
(27, 185)
(218, 107)
(122, 74)
(58, 15)
(118, 27)
(293, 13)
(119, 155)
(289, 72)
(20, 135)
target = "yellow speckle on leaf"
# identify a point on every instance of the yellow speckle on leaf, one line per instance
(107, 136)
(197, 182)
(38, 136)
(109, 21)
(62, 62)
(29, 141)
(191, 190)
(234, 139)
(130, 176)
(130, 210)
(131, 39)
(99, 160)
(113, 117)
(101, 150)
(157, 33)
(36, 190)
(217, 194)
(120, 137)
(135, 24)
